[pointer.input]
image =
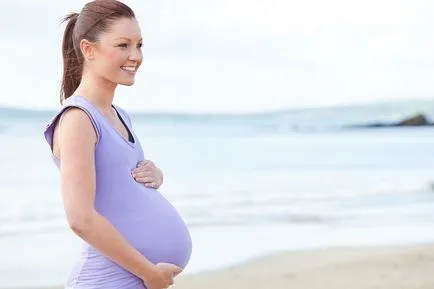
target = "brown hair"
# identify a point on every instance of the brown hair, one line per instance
(95, 18)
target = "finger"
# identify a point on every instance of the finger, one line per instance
(158, 184)
(142, 173)
(153, 185)
(143, 168)
(141, 163)
(146, 163)
(145, 179)
(175, 269)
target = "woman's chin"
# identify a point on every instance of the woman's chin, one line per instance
(126, 82)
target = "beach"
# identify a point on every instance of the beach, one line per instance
(408, 267)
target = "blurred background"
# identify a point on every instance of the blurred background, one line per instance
(289, 124)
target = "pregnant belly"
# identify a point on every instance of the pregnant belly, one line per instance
(154, 227)
(151, 224)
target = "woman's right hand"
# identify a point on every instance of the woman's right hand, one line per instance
(162, 277)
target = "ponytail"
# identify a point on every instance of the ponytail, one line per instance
(72, 60)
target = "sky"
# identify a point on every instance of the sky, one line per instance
(237, 55)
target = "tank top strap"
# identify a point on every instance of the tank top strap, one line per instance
(124, 116)
(77, 102)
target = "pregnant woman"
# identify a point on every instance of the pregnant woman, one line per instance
(133, 237)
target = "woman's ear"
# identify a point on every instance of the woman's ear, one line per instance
(87, 49)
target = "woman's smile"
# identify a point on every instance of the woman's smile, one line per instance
(130, 69)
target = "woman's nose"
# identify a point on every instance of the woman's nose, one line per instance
(136, 54)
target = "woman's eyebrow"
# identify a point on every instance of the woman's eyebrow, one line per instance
(126, 38)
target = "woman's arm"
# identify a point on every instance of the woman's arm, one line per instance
(77, 139)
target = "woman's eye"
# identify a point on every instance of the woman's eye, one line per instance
(139, 45)
(122, 45)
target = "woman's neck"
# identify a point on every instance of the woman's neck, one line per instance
(98, 90)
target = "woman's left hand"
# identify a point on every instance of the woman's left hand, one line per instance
(148, 174)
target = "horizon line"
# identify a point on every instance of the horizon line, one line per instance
(222, 113)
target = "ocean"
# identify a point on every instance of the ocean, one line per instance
(247, 185)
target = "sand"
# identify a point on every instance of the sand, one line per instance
(338, 268)
(379, 268)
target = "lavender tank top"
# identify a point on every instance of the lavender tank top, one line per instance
(142, 215)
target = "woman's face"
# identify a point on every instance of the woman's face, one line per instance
(118, 53)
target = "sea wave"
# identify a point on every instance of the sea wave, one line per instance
(337, 210)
